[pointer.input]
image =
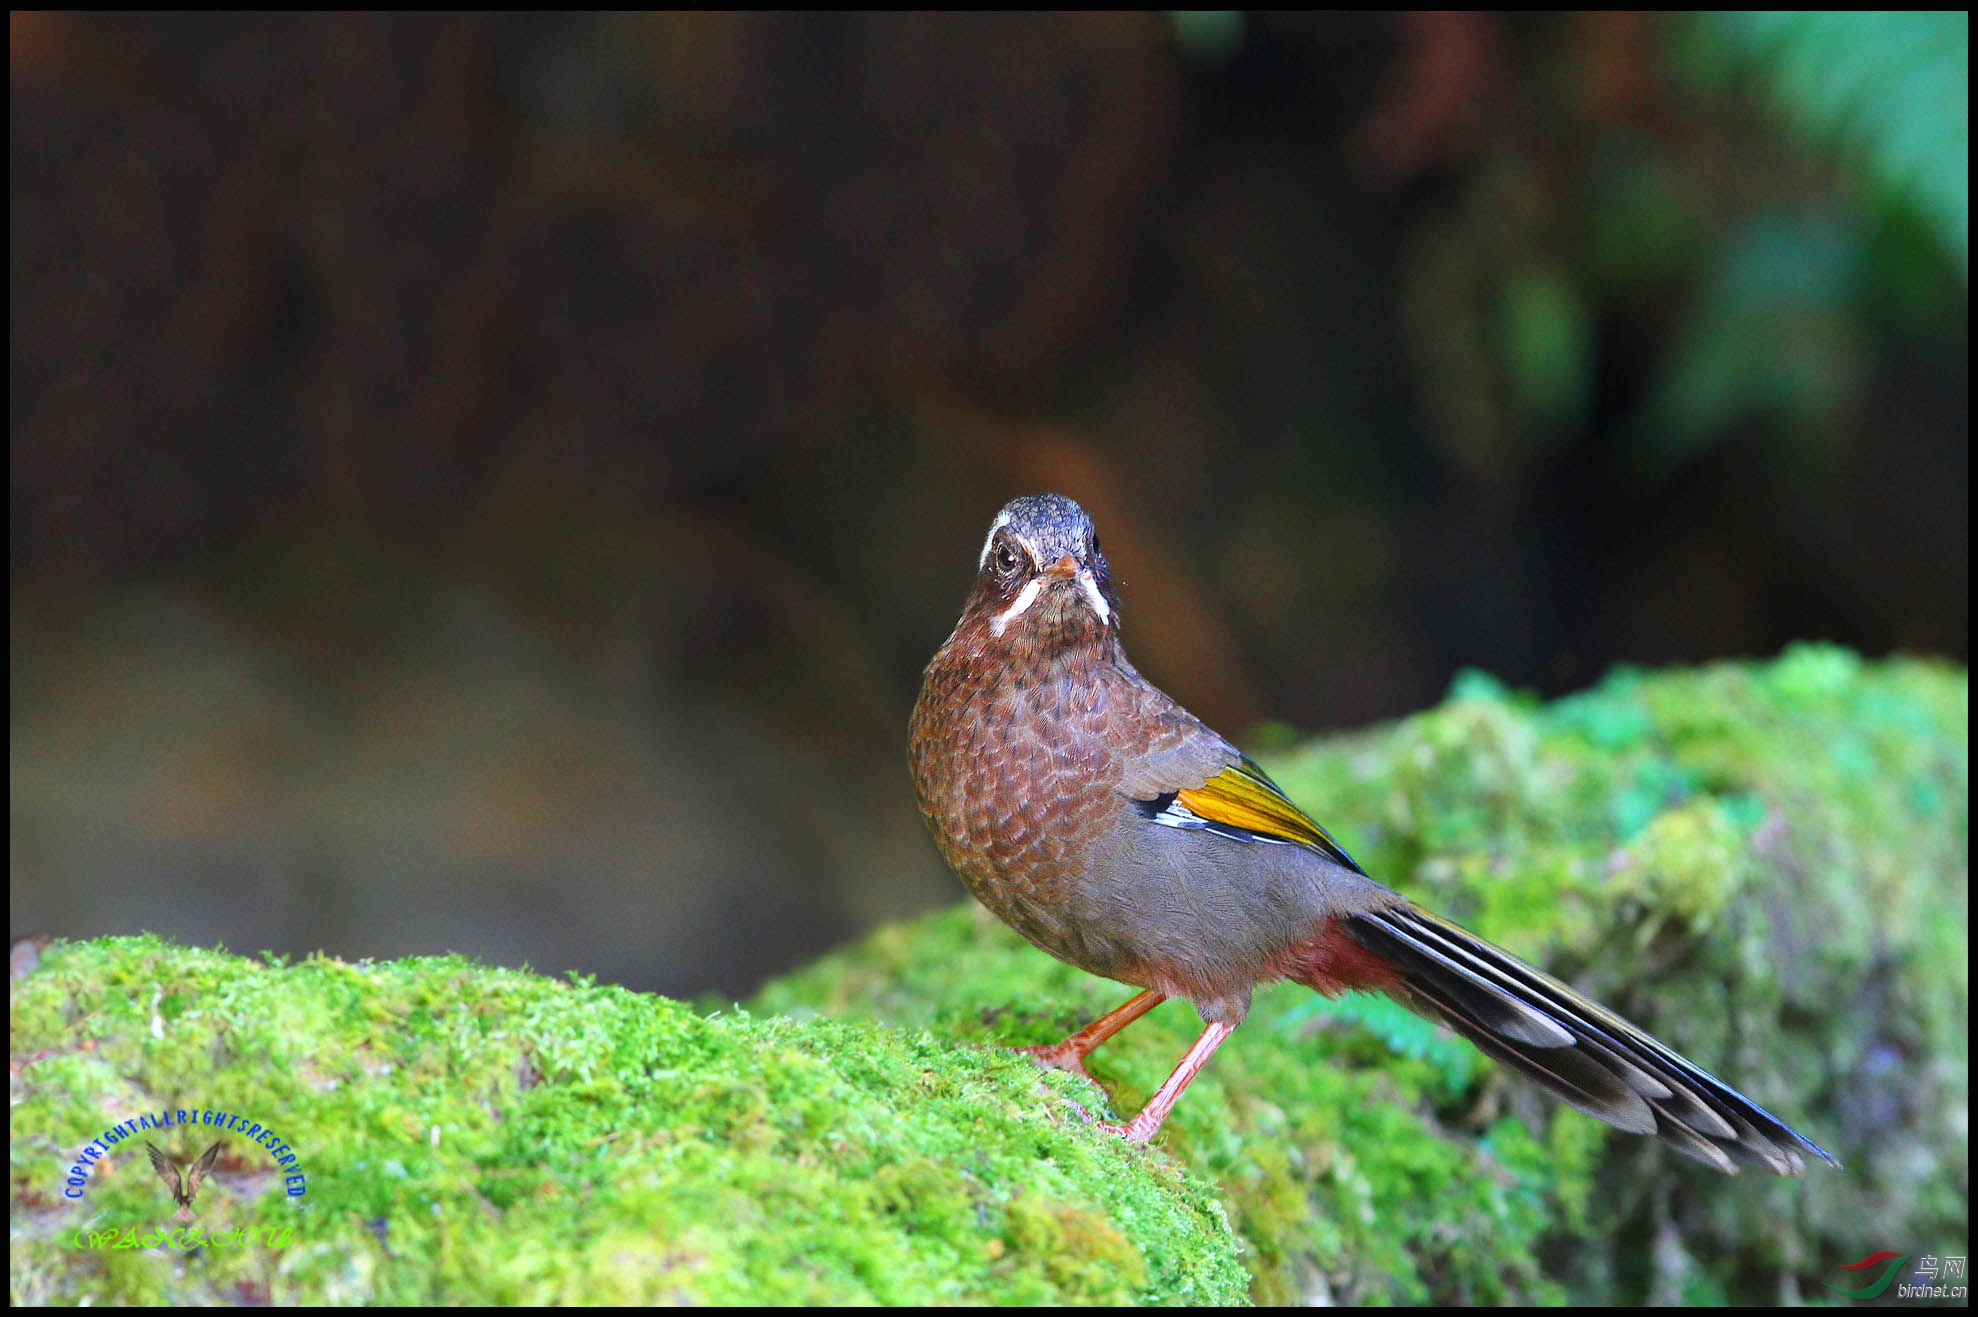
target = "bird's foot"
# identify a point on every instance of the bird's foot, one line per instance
(1060, 1056)
(1133, 1131)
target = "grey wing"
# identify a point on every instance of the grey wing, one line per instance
(1177, 751)
(1214, 910)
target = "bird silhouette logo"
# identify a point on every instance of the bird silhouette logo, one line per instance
(183, 1188)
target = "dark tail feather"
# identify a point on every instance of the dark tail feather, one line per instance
(1584, 1054)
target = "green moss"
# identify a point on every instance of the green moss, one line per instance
(1764, 864)
(1686, 864)
(478, 1135)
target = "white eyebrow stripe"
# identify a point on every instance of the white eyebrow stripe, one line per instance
(1024, 599)
(1091, 588)
(1002, 520)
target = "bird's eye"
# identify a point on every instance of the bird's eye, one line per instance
(1005, 559)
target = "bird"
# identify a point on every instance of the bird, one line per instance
(183, 1188)
(1114, 830)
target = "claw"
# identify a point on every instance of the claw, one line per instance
(1060, 1056)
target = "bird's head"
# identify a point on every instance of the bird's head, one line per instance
(1041, 579)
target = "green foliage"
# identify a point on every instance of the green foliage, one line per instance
(1210, 36)
(1771, 336)
(1546, 330)
(473, 1135)
(1757, 862)
(1891, 89)
(1402, 1031)
(1796, 288)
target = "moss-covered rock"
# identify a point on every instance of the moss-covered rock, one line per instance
(470, 1135)
(1764, 864)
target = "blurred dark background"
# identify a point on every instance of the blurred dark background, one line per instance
(491, 484)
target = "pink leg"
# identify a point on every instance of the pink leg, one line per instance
(1071, 1053)
(1143, 1126)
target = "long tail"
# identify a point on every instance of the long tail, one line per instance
(1585, 1054)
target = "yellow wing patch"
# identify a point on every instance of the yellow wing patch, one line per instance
(1244, 799)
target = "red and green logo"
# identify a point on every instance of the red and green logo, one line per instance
(1873, 1290)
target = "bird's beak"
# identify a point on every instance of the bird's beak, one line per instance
(1066, 568)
